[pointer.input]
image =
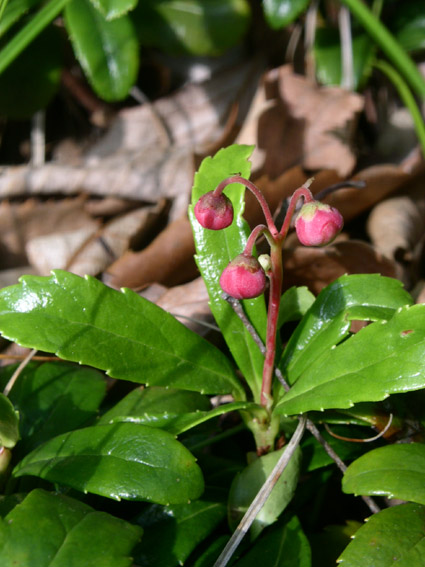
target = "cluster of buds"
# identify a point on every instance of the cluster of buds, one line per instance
(245, 277)
(317, 224)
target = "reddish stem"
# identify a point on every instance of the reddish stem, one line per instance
(302, 191)
(257, 193)
(276, 278)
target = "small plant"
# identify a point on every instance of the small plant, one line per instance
(71, 447)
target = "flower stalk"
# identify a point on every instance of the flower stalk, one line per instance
(244, 277)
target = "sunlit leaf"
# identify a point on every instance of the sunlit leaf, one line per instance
(123, 460)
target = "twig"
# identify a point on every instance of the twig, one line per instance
(341, 185)
(18, 371)
(261, 496)
(38, 138)
(356, 440)
(347, 66)
(370, 503)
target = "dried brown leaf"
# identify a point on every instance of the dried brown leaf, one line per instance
(318, 267)
(325, 117)
(167, 260)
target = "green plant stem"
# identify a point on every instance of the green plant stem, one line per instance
(407, 98)
(3, 4)
(262, 496)
(388, 44)
(24, 37)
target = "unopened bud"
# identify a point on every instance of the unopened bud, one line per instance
(244, 278)
(318, 224)
(214, 211)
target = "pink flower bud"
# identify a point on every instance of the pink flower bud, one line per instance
(318, 224)
(214, 211)
(243, 278)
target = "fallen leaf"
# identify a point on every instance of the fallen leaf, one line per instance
(168, 260)
(91, 250)
(318, 267)
(325, 118)
(147, 153)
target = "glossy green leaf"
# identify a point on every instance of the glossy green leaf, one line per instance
(327, 55)
(37, 70)
(247, 484)
(13, 13)
(112, 9)
(286, 546)
(294, 304)
(408, 25)
(9, 423)
(53, 398)
(215, 249)
(281, 13)
(395, 471)
(355, 297)
(172, 533)
(196, 27)
(172, 410)
(153, 406)
(82, 320)
(108, 51)
(394, 537)
(381, 359)
(122, 460)
(53, 530)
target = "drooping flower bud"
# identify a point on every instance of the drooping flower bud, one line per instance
(214, 211)
(244, 278)
(318, 224)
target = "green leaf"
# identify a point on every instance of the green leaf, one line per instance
(33, 78)
(294, 304)
(355, 297)
(108, 51)
(286, 546)
(172, 533)
(408, 25)
(58, 531)
(112, 9)
(53, 398)
(82, 320)
(327, 54)
(153, 406)
(14, 12)
(395, 536)
(122, 460)
(196, 27)
(281, 13)
(172, 410)
(215, 249)
(396, 471)
(9, 423)
(247, 484)
(383, 358)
